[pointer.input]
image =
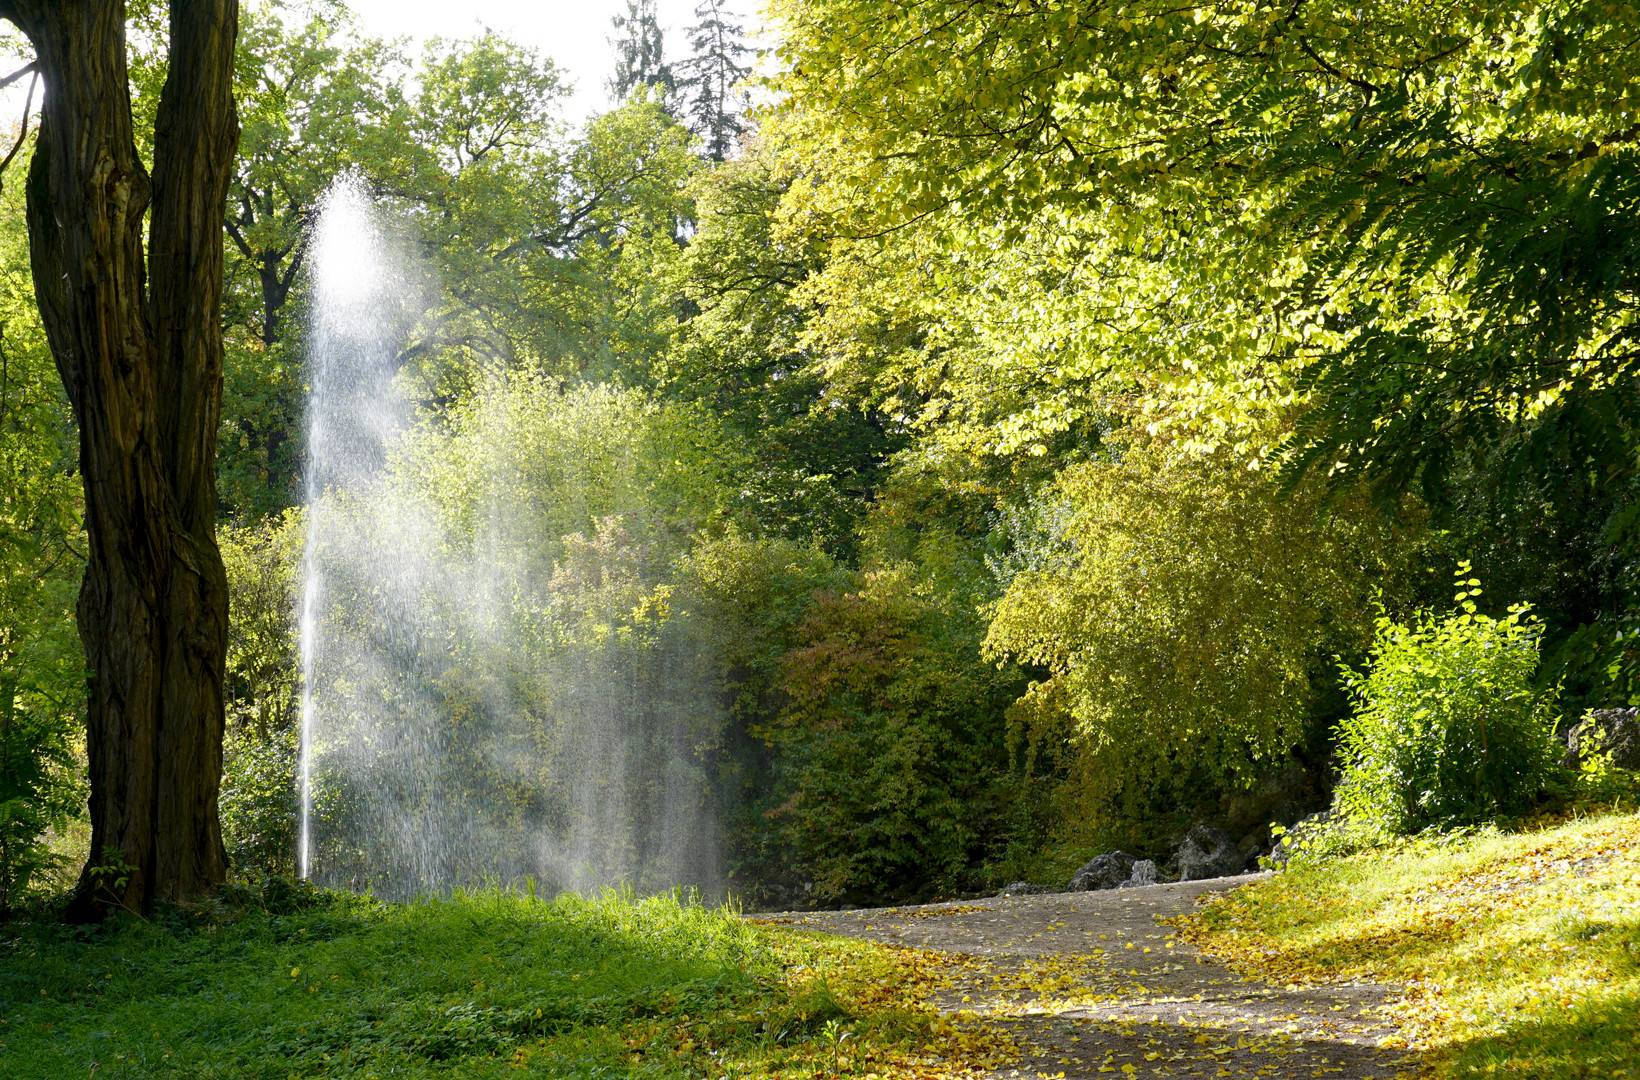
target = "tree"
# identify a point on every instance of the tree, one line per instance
(1379, 244)
(549, 247)
(1407, 221)
(820, 460)
(554, 251)
(640, 52)
(1185, 616)
(137, 339)
(716, 110)
(316, 100)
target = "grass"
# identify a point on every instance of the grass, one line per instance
(308, 984)
(1520, 953)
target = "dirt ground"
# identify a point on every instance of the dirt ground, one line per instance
(1092, 983)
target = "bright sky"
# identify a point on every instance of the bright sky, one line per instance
(573, 32)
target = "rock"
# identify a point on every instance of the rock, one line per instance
(1107, 871)
(1208, 853)
(1144, 873)
(1606, 731)
(1025, 888)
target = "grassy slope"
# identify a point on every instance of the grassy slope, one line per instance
(1520, 953)
(479, 985)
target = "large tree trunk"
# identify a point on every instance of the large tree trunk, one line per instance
(141, 357)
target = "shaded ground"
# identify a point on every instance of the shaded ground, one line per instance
(1093, 983)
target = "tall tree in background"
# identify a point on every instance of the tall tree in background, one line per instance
(714, 109)
(137, 339)
(316, 100)
(640, 52)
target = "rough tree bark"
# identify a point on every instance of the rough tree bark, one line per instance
(138, 343)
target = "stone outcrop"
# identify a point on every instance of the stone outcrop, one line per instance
(1606, 731)
(1026, 888)
(1144, 873)
(1207, 852)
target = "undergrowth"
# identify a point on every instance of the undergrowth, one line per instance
(480, 984)
(1519, 953)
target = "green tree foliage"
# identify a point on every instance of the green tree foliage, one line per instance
(566, 459)
(315, 100)
(892, 774)
(1448, 727)
(547, 247)
(551, 251)
(1362, 205)
(42, 670)
(1371, 249)
(819, 458)
(259, 806)
(1184, 613)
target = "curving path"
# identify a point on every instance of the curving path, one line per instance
(1092, 983)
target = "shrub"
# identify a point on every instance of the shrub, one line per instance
(258, 801)
(1448, 728)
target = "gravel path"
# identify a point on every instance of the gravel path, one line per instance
(1091, 983)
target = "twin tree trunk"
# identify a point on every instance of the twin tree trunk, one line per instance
(138, 343)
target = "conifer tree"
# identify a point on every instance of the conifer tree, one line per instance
(640, 52)
(713, 108)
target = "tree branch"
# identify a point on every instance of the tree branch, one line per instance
(28, 104)
(26, 69)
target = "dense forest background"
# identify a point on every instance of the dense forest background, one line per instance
(1019, 430)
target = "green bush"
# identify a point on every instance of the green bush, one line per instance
(259, 801)
(892, 754)
(1448, 728)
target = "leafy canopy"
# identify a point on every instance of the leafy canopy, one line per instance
(1404, 222)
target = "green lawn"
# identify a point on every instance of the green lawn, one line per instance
(482, 984)
(1520, 952)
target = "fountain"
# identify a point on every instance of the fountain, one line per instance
(464, 719)
(354, 410)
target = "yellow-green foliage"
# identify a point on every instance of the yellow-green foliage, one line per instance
(525, 463)
(42, 671)
(1520, 954)
(891, 743)
(1182, 617)
(258, 800)
(1174, 209)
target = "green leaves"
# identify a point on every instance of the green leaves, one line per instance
(1401, 225)
(42, 669)
(1179, 612)
(1448, 728)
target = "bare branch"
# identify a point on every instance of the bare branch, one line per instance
(26, 69)
(28, 104)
